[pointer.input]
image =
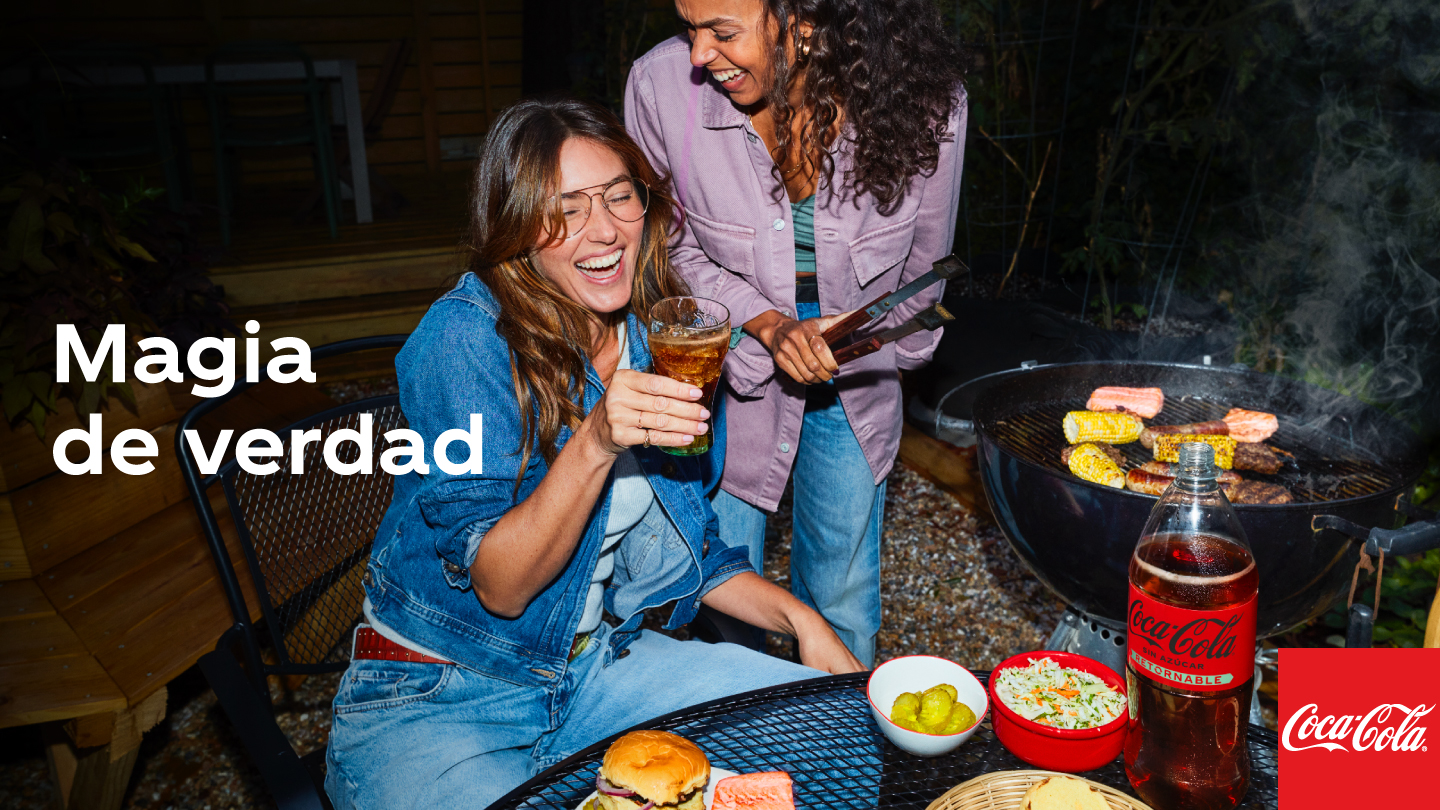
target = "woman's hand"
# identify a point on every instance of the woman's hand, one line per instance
(821, 648)
(641, 408)
(797, 346)
(766, 605)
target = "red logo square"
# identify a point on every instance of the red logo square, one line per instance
(1354, 727)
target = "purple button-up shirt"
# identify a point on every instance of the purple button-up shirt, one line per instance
(737, 246)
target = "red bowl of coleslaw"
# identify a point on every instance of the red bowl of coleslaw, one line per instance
(1042, 742)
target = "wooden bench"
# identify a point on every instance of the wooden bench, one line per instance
(107, 588)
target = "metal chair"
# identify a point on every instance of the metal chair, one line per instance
(234, 127)
(306, 539)
(102, 102)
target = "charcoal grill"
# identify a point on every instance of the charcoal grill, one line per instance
(1343, 459)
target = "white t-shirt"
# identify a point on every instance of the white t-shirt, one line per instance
(631, 497)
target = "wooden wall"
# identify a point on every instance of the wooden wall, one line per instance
(444, 71)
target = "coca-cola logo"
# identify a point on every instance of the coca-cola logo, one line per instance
(1204, 636)
(1350, 732)
(1352, 727)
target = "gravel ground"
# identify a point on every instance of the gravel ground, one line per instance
(951, 587)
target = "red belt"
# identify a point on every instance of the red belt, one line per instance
(370, 645)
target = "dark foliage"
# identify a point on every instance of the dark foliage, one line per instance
(74, 253)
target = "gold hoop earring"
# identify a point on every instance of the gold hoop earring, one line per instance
(805, 48)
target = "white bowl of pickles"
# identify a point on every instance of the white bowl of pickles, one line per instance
(927, 706)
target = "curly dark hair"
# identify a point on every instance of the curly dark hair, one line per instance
(889, 66)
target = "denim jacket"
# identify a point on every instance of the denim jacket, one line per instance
(418, 582)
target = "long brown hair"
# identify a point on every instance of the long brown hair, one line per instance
(514, 205)
(893, 71)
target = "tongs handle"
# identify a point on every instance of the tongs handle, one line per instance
(855, 351)
(841, 329)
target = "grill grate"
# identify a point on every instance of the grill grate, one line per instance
(1318, 467)
(822, 733)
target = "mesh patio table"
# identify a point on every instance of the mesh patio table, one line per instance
(822, 733)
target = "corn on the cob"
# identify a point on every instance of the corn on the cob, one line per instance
(1091, 463)
(1167, 447)
(1144, 402)
(1111, 428)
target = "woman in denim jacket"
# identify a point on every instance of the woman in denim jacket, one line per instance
(815, 147)
(486, 658)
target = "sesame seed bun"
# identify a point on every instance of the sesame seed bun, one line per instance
(659, 766)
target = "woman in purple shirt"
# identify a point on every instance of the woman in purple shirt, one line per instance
(815, 146)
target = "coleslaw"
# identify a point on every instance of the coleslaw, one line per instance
(1057, 696)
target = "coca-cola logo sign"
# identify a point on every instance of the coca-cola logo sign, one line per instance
(1370, 732)
(1203, 636)
(1204, 650)
(1354, 712)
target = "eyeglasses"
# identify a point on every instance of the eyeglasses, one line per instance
(626, 199)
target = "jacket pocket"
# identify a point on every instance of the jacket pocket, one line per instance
(730, 246)
(875, 253)
(374, 685)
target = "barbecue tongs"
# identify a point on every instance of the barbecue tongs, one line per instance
(928, 319)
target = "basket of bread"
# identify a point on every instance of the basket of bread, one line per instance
(1034, 790)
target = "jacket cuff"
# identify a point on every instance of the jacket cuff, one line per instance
(726, 564)
(458, 554)
(749, 368)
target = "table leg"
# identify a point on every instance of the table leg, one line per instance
(355, 133)
(91, 758)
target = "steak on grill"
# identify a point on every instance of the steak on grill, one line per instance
(1257, 458)
(1258, 492)
(1108, 449)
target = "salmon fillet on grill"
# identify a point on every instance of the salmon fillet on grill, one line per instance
(1143, 402)
(1251, 426)
(770, 790)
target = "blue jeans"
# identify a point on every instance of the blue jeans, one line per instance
(437, 735)
(839, 511)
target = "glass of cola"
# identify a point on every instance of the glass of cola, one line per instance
(689, 338)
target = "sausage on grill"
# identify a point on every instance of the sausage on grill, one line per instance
(1146, 482)
(1167, 468)
(1215, 428)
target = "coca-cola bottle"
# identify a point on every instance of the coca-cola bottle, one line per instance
(1190, 645)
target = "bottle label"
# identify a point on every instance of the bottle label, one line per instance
(1195, 650)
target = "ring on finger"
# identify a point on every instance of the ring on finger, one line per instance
(638, 416)
(647, 438)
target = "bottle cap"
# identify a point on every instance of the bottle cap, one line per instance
(1197, 460)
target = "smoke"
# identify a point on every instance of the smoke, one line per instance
(1337, 279)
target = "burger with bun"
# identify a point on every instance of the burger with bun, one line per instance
(652, 769)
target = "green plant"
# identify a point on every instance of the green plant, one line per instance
(73, 253)
(611, 35)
